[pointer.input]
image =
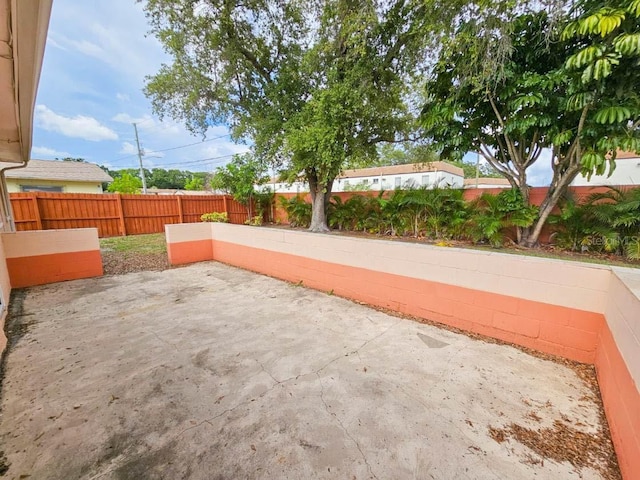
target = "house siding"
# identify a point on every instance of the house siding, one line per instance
(14, 185)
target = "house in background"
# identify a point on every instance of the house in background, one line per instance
(486, 182)
(57, 176)
(627, 172)
(428, 174)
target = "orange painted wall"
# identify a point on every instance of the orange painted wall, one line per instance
(621, 403)
(181, 253)
(55, 267)
(572, 333)
(561, 331)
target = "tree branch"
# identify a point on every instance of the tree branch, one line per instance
(509, 143)
(574, 149)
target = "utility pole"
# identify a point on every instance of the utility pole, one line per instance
(144, 181)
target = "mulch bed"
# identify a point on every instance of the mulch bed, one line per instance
(119, 263)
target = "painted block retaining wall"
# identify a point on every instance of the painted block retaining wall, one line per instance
(584, 312)
(39, 257)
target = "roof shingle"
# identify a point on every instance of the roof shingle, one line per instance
(60, 170)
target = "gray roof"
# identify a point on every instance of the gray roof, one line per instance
(59, 170)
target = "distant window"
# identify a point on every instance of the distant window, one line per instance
(375, 180)
(398, 182)
(346, 183)
(425, 179)
(366, 181)
(40, 188)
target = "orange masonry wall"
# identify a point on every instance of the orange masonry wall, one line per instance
(189, 252)
(41, 257)
(551, 329)
(550, 320)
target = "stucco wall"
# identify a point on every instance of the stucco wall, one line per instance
(45, 256)
(13, 185)
(549, 305)
(618, 367)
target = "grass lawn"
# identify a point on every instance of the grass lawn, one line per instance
(153, 243)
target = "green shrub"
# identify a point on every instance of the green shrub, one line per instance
(493, 215)
(575, 225)
(264, 203)
(218, 217)
(298, 211)
(617, 212)
(255, 221)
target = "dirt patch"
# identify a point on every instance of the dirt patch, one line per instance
(119, 263)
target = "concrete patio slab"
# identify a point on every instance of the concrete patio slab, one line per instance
(210, 372)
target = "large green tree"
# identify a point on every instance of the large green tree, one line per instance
(239, 177)
(539, 99)
(315, 85)
(125, 183)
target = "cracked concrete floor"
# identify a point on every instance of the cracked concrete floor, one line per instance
(210, 372)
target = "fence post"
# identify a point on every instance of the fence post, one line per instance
(36, 209)
(226, 209)
(123, 225)
(180, 213)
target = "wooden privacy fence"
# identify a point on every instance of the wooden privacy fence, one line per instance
(116, 214)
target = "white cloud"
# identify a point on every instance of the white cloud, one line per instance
(88, 48)
(149, 125)
(128, 149)
(48, 152)
(80, 126)
(51, 42)
(123, 97)
(110, 31)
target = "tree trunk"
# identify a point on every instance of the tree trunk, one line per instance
(557, 189)
(320, 195)
(318, 214)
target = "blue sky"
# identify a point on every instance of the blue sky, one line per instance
(98, 53)
(96, 58)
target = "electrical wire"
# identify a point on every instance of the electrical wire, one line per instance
(174, 148)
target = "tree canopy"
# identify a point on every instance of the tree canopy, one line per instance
(125, 183)
(314, 84)
(239, 177)
(539, 99)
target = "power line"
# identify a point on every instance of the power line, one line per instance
(174, 148)
(192, 144)
(201, 161)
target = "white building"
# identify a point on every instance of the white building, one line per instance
(486, 182)
(390, 177)
(627, 172)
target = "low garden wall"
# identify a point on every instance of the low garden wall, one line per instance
(46, 256)
(584, 312)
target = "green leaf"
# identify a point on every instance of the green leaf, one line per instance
(612, 114)
(627, 44)
(609, 22)
(589, 24)
(632, 249)
(562, 137)
(585, 56)
(579, 100)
